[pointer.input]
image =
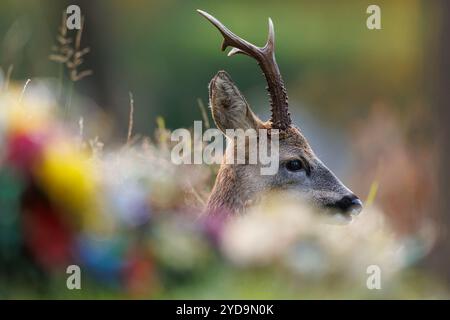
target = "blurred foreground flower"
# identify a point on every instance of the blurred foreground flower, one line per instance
(68, 177)
(284, 231)
(124, 216)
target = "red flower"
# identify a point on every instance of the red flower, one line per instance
(23, 150)
(47, 236)
(139, 273)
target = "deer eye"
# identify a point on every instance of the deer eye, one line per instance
(294, 165)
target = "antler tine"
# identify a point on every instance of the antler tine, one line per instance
(238, 44)
(270, 44)
(265, 57)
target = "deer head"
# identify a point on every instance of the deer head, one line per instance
(300, 171)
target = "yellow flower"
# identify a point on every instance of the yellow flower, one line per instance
(68, 177)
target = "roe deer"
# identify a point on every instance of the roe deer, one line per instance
(300, 170)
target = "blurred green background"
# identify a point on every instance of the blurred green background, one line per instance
(165, 53)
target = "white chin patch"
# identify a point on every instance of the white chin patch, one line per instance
(355, 212)
(340, 219)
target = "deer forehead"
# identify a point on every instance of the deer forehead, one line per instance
(294, 144)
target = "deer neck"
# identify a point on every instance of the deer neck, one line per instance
(230, 194)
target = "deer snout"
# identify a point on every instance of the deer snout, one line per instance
(349, 204)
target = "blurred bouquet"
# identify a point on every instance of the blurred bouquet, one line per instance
(125, 216)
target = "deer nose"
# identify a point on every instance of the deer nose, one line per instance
(350, 204)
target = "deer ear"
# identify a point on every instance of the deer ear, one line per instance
(228, 106)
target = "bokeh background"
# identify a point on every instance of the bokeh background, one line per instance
(373, 104)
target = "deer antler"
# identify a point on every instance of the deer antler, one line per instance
(265, 56)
